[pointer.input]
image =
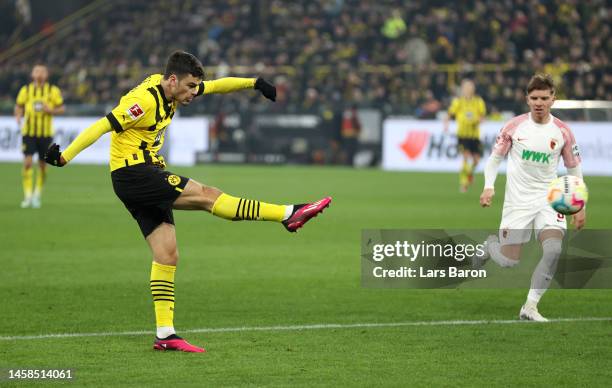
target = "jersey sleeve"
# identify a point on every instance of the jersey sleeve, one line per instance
(22, 96)
(86, 138)
(503, 142)
(225, 85)
(56, 96)
(454, 107)
(132, 111)
(570, 152)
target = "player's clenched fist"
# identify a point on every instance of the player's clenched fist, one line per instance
(486, 197)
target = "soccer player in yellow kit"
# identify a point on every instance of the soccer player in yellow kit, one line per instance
(469, 110)
(37, 103)
(150, 193)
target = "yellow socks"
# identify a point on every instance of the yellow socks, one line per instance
(162, 289)
(233, 208)
(27, 175)
(464, 174)
(40, 181)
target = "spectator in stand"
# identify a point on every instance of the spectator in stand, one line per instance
(327, 43)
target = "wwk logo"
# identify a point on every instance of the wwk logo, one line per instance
(534, 156)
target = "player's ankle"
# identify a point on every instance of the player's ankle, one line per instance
(288, 212)
(165, 331)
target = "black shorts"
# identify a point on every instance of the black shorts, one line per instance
(469, 144)
(31, 145)
(148, 192)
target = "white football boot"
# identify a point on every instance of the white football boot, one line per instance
(36, 201)
(529, 312)
(478, 260)
(26, 203)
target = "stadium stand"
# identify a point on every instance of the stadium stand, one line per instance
(400, 57)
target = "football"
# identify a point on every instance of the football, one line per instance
(567, 194)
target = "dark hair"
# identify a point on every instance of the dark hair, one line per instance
(181, 63)
(541, 82)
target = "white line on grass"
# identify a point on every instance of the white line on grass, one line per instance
(305, 327)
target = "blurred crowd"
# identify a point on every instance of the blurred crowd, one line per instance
(398, 56)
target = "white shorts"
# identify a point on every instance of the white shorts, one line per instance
(517, 223)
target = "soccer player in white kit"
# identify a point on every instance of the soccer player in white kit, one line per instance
(533, 142)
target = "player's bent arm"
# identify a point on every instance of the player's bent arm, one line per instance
(84, 140)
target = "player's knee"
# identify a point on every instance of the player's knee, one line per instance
(552, 246)
(173, 256)
(209, 196)
(168, 257)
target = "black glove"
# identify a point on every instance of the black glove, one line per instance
(53, 156)
(267, 89)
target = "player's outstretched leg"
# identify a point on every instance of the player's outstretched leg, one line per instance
(293, 217)
(196, 196)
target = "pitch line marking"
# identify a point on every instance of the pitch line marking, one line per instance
(309, 327)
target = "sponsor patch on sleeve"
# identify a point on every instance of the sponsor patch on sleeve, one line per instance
(575, 150)
(135, 111)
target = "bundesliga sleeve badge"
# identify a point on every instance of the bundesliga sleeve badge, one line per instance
(135, 111)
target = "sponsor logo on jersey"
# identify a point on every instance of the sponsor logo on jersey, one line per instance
(534, 156)
(575, 150)
(414, 143)
(174, 180)
(135, 111)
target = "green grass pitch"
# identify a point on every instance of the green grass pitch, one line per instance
(80, 265)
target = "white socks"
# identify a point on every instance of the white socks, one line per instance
(288, 212)
(498, 257)
(165, 331)
(545, 270)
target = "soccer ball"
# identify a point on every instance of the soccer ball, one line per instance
(567, 194)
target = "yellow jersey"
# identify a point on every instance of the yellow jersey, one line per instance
(139, 124)
(140, 120)
(37, 123)
(468, 112)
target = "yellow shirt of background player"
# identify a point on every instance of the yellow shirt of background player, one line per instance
(38, 123)
(468, 112)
